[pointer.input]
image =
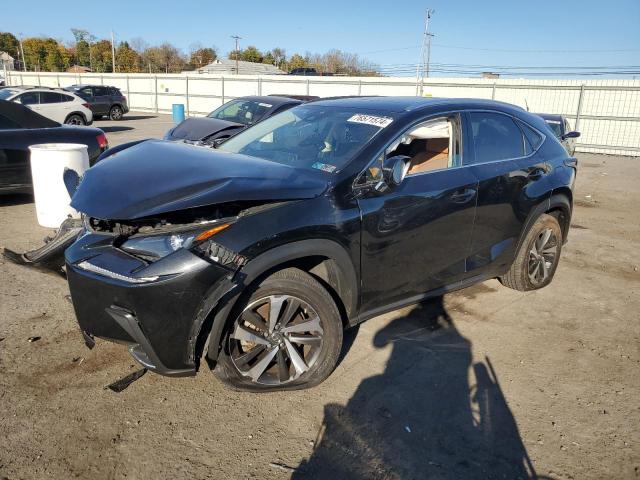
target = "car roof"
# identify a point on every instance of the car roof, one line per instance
(550, 116)
(272, 100)
(409, 104)
(83, 85)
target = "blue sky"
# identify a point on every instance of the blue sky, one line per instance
(389, 33)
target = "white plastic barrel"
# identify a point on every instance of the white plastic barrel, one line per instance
(48, 161)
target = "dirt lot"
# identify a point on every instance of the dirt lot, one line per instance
(482, 383)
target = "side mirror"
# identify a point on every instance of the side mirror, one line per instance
(570, 135)
(394, 169)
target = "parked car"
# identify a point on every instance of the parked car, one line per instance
(315, 220)
(20, 128)
(103, 100)
(561, 128)
(56, 104)
(231, 118)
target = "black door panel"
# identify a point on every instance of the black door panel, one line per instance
(417, 237)
(507, 192)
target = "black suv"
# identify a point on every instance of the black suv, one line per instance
(312, 221)
(102, 100)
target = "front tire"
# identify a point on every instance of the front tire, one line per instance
(538, 256)
(286, 335)
(75, 119)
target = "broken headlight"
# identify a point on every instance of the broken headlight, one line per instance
(154, 247)
(158, 246)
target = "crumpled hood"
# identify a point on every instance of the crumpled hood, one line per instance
(200, 128)
(156, 176)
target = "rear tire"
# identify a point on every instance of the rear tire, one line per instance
(538, 256)
(75, 119)
(296, 348)
(116, 113)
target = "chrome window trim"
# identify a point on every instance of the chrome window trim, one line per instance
(449, 113)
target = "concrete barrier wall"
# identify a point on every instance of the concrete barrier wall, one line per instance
(607, 111)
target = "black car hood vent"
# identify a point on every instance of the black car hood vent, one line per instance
(155, 177)
(200, 128)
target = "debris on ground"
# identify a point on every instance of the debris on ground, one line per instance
(285, 468)
(33, 339)
(77, 360)
(124, 382)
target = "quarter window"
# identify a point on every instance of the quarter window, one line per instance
(496, 137)
(534, 139)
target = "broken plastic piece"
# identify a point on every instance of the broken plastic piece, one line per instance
(124, 382)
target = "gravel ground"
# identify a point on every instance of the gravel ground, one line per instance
(481, 383)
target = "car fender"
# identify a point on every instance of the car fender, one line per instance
(555, 201)
(224, 298)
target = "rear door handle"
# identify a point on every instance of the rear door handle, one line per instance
(463, 196)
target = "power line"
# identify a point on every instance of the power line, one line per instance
(415, 47)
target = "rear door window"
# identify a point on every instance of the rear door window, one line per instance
(50, 97)
(496, 137)
(99, 91)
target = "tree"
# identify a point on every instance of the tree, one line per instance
(268, 58)
(9, 43)
(251, 54)
(82, 54)
(128, 60)
(297, 61)
(165, 58)
(101, 53)
(279, 56)
(200, 57)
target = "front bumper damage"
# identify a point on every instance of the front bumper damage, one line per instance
(159, 319)
(50, 256)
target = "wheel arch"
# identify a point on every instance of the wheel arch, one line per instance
(326, 260)
(84, 117)
(559, 204)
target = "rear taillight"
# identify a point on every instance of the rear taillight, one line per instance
(102, 141)
(86, 105)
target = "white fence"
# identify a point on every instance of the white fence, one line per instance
(607, 112)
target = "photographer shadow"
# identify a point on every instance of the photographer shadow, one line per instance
(426, 416)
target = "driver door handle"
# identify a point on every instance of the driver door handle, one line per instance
(463, 196)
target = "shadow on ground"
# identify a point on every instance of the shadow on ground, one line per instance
(422, 418)
(15, 199)
(134, 117)
(112, 129)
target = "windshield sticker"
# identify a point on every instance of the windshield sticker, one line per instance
(325, 167)
(371, 120)
(267, 105)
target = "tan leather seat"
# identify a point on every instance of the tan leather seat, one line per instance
(432, 156)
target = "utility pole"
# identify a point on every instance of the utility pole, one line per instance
(426, 50)
(113, 55)
(237, 51)
(24, 65)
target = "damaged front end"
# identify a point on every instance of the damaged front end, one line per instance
(149, 282)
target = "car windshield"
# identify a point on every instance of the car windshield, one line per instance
(318, 137)
(555, 126)
(7, 92)
(246, 112)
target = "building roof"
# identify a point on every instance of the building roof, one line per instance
(226, 66)
(78, 69)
